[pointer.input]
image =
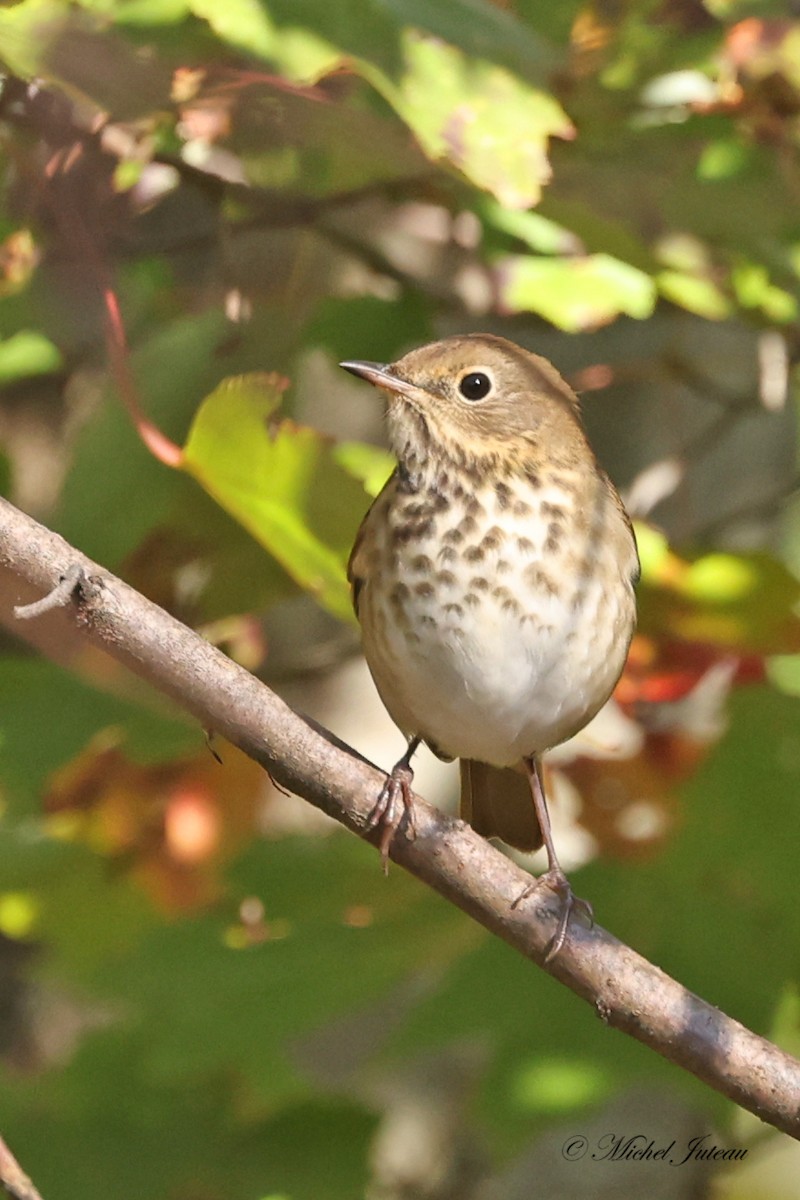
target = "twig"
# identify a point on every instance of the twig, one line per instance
(626, 991)
(13, 1178)
(61, 594)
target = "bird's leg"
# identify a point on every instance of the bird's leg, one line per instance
(554, 877)
(394, 801)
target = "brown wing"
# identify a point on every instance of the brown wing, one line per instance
(356, 565)
(360, 562)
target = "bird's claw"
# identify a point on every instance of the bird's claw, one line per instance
(393, 804)
(556, 880)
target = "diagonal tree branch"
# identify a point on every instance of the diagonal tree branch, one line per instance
(626, 991)
(12, 1177)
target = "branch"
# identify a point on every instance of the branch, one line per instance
(12, 1177)
(626, 991)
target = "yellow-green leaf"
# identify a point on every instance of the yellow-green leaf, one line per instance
(741, 602)
(281, 481)
(27, 353)
(695, 294)
(479, 117)
(576, 293)
(369, 464)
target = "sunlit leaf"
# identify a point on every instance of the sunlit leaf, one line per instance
(481, 118)
(371, 465)
(723, 159)
(25, 31)
(282, 481)
(371, 33)
(541, 234)
(784, 671)
(288, 138)
(250, 25)
(596, 232)
(55, 40)
(143, 12)
(27, 353)
(743, 603)
(694, 293)
(576, 293)
(243, 23)
(754, 289)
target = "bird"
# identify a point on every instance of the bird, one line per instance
(494, 581)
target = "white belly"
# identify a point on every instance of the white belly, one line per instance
(510, 669)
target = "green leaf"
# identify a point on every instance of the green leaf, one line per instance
(369, 464)
(740, 602)
(479, 117)
(58, 42)
(243, 23)
(25, 32)
(694, 293)
(290, 139)
(598, 232)
(576, 293)
(754, 289)
(372, 31)
(236, 576)
(282, 481)
(27, 353)
(783, 670)
(482, 30)
(541, 234)
(723, 159)
(250, 25)
(142, 12)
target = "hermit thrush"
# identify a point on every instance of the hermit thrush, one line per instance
(493, 578)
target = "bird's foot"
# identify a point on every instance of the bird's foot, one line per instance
(556, 880)
(393, 804)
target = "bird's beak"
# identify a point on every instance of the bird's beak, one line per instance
(380, 374)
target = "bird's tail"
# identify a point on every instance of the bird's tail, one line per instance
(497, 802)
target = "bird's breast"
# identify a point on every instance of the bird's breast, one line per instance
(496, 619)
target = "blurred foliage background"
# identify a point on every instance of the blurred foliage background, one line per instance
(206, 991)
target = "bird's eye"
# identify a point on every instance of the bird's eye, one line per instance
(475, 386)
